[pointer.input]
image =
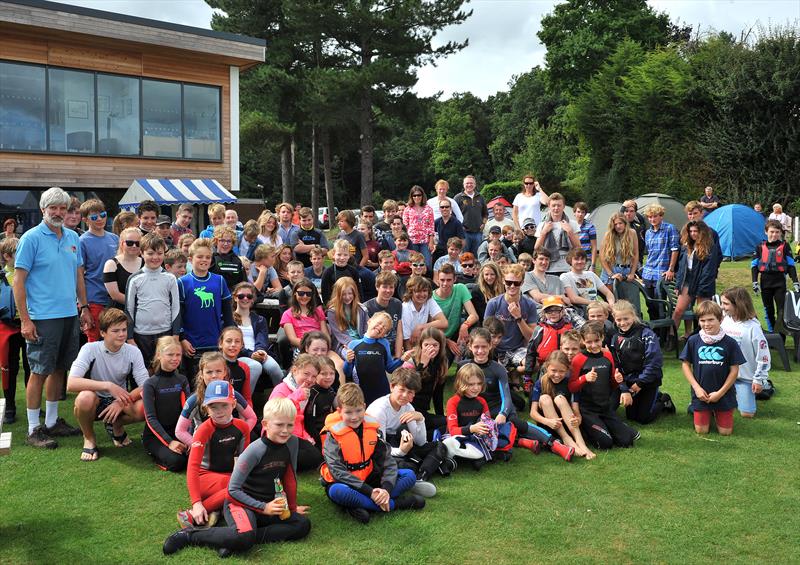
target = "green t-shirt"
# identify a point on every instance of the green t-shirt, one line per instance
(452, 307)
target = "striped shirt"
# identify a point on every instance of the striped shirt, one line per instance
(660, 245)
(587, 234)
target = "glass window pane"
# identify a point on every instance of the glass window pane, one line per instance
(161, 118)
(117, 115)
(71, 111)
(201, 119)
(22, 111)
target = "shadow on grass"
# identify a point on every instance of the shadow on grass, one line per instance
(43, 539)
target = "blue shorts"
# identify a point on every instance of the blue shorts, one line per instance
(623, 270)
(745, 397)
(56, 347)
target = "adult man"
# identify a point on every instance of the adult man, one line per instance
(518, 314)
(442, 186)
(498, 219)
(385, 284)
(99, 375)
(285, 226)
(630, 209)
(663, 246)
(709, 201)
(558, 234)
(48, 283)
(447, 225)
(148, 214)
(453, 298)
(473, 207)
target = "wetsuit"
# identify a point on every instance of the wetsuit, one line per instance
(163, 396)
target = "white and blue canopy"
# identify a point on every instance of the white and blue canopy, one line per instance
(175, 191)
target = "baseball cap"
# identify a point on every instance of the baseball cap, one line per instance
(162, 219)
(218, 391)
(528, 222)
(495, 229)
(552, 302)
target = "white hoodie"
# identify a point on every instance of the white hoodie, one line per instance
(751, 340)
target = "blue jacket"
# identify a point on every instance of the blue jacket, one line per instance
(260, 333)
(702, 279)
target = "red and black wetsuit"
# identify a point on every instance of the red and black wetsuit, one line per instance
(163, 396)
(462, 412)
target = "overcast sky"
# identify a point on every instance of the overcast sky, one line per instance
(502, 33)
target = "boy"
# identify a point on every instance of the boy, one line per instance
(386, 285)
(225, 261)
(404, 430)
(263, 274)
(359, 472)
(596, 378)
(773, 261)
(147, 214)
(381, 228)
(495, 252)
(249, 240)
(587, 234)
(528, 243)
(254, 511)
(454, 247)
(99, 376)
(372, 358)
(546, 338)
(317, 267)
(468, 268)
(580, 286)
(216, 215)
(307, 238)
(341, 268)
(151, 299)
(711, 362)
(601, 312)
(11, 341)
(385, 262)
(571, 344)
(205, 306)
(97, 247)
(286, 228)
(495, 234)
(164, 229)
(358, 245)
(175, 263)
(402, 255)
(183, 221)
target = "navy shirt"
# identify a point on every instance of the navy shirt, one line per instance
(711, 364)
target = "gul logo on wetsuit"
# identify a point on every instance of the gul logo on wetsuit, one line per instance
(710, 355)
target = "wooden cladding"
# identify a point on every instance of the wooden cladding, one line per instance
(83, 57)
(20, 48)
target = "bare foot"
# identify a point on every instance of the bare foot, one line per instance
(590, 455)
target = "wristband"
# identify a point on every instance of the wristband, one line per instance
(82, 307)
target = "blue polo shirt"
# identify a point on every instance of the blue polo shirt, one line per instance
(52, 266)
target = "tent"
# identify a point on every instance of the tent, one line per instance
(175, 191)
(675, 212)
(740, 229)
(600, 216)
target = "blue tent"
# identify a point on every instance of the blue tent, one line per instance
(740, 229)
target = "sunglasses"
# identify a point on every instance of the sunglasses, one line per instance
(417, 264)
(444, 207)
(467, 265)
(131, 243)
(307, 293)
(95, 217)
(512, 283)
(528, 183)
(529, 227)
(416, 196)
(244, 296)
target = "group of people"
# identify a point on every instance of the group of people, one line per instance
(177, 333)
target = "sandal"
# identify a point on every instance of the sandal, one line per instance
(119, 441)
(92, 452)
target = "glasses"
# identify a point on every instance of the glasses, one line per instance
(95, 217)
(307, 293)
(228, 241)
(417, 196)
(528, 183)
(444, 207)
(244, 296)
(417, 265)
(467, 265)
(512, 283)
(529, 227)
(131, 243)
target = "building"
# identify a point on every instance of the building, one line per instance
(92, 100)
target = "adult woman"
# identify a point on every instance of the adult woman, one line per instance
(373, 247)
(784, 219)
(9, 229)
(118, 269)
(619, 251)
(529, 202)
(347, 317)
(420, 310)
(429, 359)
(255, 335)
(418, 219)
(697, 269)
(268, 226)
(489, 285)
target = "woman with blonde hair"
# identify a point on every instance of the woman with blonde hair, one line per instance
(619, 252)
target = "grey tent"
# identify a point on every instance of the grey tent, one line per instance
(600, 216)
(675, 213)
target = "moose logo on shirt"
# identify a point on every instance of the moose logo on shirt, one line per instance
(206, 298)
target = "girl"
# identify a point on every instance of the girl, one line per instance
(231, 342)
(256, 336)
(268, 224)
(465, 411)
(318, 344)
(282, 259)
(697, 269)
(320, 400)
(124, 220)
(216, 444)
(163, 395)
(490, 284)
(420, 310)
(550, 404)
(304, 314)
(397, 229)
(212, 368)
(741, 324)
(346, 316)
(429, 359)
(295, 387)
(118, 270)
(185, 242)
(637, 354)
(373, 247)
(619, 252)
(418, 219)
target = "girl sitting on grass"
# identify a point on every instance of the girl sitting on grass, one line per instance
(465, 408)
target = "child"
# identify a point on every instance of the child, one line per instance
(588, 234)
(571, 344)
(454, 247)
(147, 213)
(773, 261)
(711, 362)
(468, 269)
(599, 311)
(184, 243)
(307, 238)
(356, 243)
(231, 343)
(225, 261)
(359, 472)
(496, 330)
(175, 262)
(741, 324)
(11, 341)
(385, 262)
(97, 247)
(248, 242)
(262, 272)
(205, 305)
(163, 396)
(546, 338)
(404, 430)
(340, 268)
(254, 511)
(402, 255)
(216, 215)
(550, 404)
(303, 315)
(429, 360)
(466, 411)
(582, 287)
(317, 268)
(151, 300)
(321, 398)
(595, 377)
(295, 387)
(637, 355)
(216, 444)
(256, 337)
(372, 358)
(164, 229)
(296, 273)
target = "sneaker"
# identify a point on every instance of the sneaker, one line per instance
(39, 438)
(185, 519)
(447, 466)
(10, 416)
(62, 429)
(360, 515)
(424, 489)
(176, 541)
(669, 406)
(637, 436)
(409, 502)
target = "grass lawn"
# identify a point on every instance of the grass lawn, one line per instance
(675, 497)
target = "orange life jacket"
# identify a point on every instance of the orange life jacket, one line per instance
(356, 452)
(772, 259)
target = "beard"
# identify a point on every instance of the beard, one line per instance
(55, 221)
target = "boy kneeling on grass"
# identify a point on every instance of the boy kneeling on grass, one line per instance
(262, 492)
(359, 472)
(99, 376)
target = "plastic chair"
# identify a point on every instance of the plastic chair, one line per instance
(667, 290)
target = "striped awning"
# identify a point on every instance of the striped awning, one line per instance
(175, 191)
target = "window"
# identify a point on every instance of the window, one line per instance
(71, 111)
(117, 115)
(22, 107)
(161, 118)
(201, 120)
